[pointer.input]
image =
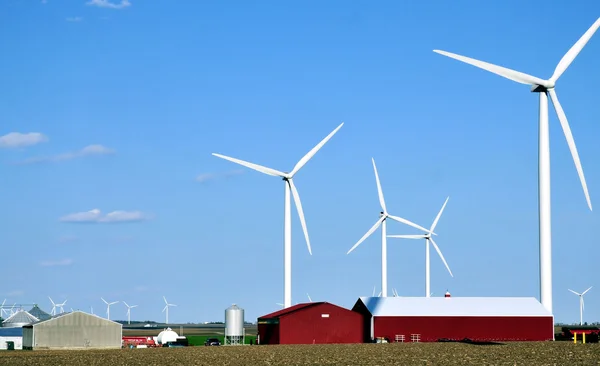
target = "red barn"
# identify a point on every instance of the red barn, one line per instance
(311, 323)
(429, 319)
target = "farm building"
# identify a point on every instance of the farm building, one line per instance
(39, 313)
(311, 323)
(19, 319)
(72, 331)
(14, 335)
(429, 319)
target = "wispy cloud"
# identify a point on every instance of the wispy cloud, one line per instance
(67, 238)
(95, 216)
(15, 293)
(54, 263)
(91, 150)
(75, 19)
(206, 177)
(107, 4)
(17, 139)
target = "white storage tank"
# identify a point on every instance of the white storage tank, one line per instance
(234, 325)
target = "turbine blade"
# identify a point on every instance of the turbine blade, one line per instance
(309, 299)
(576, 293)
(437, 218)
(571, 142)
(584, 292)
(405, 221)
(253, 166)
(441, 256)
(164, 298)
(314, 150)
(379, 191)
(374, 291)
(574, 51)
(379, 294)
(166, 306)
(126, 304)
(300, 213)
(102, 300)
(407, 236)
(371, 230)
(513, 75)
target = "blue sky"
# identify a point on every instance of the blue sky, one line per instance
(126, 104)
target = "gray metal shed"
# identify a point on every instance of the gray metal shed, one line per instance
(75, 330)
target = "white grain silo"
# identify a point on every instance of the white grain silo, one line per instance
(234, 325)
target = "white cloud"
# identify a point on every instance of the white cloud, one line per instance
(75, 19)
(90, 150)
(67, 238)
(15, 293)
(96, 216)
(17, 139)
(107, 4)
(205, 177)
(44, 1)
(141, 288)
(60, 262)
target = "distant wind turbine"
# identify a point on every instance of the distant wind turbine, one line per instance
(108, 304)
(383, 216)
(581, 305)
(290, 187)
(166, 308)
(53, 311)
(129, 311)
(429, 239)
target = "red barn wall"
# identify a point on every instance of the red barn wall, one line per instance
(307, 326)
(432, 328)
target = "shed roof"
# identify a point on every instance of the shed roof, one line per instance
(60, 315)
(291, 309)
(11, 332)
(453, 306)
(18, 318)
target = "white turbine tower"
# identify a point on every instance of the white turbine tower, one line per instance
(581, 305)
(287, 218)
(108, 304)
(384, 215)
(428, 239)
(544, 87)
(167, 309)
(54, 306)
(129, 311)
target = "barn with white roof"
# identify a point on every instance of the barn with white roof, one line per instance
(431, 319)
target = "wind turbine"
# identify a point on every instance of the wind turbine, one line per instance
(287, 218)
(2, 309)
(544, 87)
(309, 299)
(61, 306)
(384, 215)
(108, 304)
(167, 309)
(129, 311)
(581, 305)
(53, 311)
(428, 239)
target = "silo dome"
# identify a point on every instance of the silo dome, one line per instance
(167, 335)
(19, 319)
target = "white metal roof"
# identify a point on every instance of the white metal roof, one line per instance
(454, 306)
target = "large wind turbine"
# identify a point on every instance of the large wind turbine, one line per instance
(129, 311)
(287, 219)
(581, 305)
(382, 222)
(167, 309)
(428, 239)
(544, 87)
(108, 304)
